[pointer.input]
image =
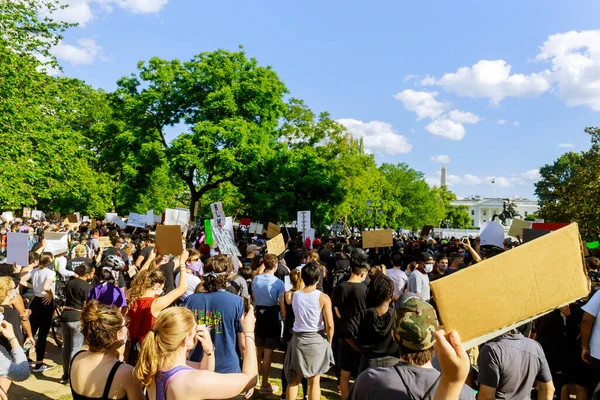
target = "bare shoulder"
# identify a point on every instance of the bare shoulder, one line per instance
(324, 299)
(185, 383)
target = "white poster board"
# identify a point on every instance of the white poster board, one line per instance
(108, 217)
(309, 233)
(7, 216)
(137, 220)
(37, 214)
(225, 223)
(217, 210)
(17, 249)
(56, 243)
(150, 217)
(255, 228)
(86, 218)
(225, 241)
(303, 221)
(177, 216)
(78, 216)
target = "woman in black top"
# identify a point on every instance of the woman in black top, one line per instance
(76, 293)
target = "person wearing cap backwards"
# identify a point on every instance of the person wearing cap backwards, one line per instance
(414, 330)
(418, 281)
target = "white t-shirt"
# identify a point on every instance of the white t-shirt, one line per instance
(593, 308)
(193, 281)
(399, 278)
(38, 277)
(419, 283)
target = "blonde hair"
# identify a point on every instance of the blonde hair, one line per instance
(296, 279)
(160, 344)
(6, 284)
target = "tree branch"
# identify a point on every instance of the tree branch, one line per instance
(212, 185)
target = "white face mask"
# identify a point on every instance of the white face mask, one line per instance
(428, 268)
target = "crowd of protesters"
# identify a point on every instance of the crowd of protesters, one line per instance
(137, 324)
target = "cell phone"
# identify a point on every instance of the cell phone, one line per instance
(246, 305)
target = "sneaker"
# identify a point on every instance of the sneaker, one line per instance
(269, 389)
(42, 367)
(64, 380)
(31, 363)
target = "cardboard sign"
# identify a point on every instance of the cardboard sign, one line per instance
(56, 243)
(548, 226)
(37, 214)
(377, 238)
(137, 220)
(532, 234)
(7, 216)
(72, 218)
(273, 230)
(276, 245)
(217, 210)
(17, 250)
(425, 231)
(225, 241)
(26, 212)
(303, 221)
(177, 216)
(517, 226)
(104, 242)
(93, 224)
(505, 291)
(168, 240)
(150, 217)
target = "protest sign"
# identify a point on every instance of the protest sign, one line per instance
(104, 242)
(245, 221)
(256, 228)
(491, 233)
(137, 220)
(517, 226)
(425, 231)
(37, 214)
(217, 210)
(303, 221)
(78, 215)
(225, 241)
(93, 224)
(168, 240)
(72, 218)
(26, 212)
(119, 222)
(177, 216)
(150, 217)
(17, 250)
(108, 217)
(308, 234)
(377, 238)
(56, 243)
(276, 245)
(158, 219)
(7, 216)
(505, 291)
(225, 223)
(86, 218)
(532, 234)
(208, 239)
(548, 226)
(273, 230)
(593, 245)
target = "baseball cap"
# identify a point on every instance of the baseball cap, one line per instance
(425, 256)
(415, 322)
(252, 248)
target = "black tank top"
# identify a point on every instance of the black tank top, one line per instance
(111, 377)
(13, 317)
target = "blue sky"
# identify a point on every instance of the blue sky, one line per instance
(498, 88)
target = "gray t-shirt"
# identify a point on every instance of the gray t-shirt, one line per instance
(385, 383)
(419, 283)
(511, 363)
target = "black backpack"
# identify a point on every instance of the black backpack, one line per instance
(341, 273)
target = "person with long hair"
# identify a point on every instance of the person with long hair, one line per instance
(287, 312)
(97, 373)
(146, 301)
(42, 306)
(163, 367)
(309, 354)
(76, 293)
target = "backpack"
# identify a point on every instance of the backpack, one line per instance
(235, 285)
(341, 273)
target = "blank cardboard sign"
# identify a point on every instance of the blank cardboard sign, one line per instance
(377, 238)
(501, 293)
(168, 240)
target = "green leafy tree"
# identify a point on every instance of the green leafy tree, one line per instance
(457, 216)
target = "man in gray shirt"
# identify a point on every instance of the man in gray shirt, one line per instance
(418, 281)
(415, 322)
(509, 365)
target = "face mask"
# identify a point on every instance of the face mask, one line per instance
(428, 268)
(257, 253)
(443, 266)
(195, 265)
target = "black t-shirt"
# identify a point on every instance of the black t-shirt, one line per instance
(435, 275)
(36, 246)
(145, 252)
(282, 271)
(372, 332)
(167, 270)
(12, 317)
(350, 299)
(76, 293)
(76, 262)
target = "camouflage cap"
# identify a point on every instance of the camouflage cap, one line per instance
(415, 323)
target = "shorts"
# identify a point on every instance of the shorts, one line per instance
(348, 357)
(268, 327)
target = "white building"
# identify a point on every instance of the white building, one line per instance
(483, 209)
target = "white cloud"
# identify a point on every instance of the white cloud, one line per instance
(451, 125)
(85, 53)
(501, 121)
(492, 79)
(525, 178)
(78, 11)
(378, 137)
(423, 104)
(533, 175)
(516, 123)
(566, 145)
(575, 58)
(410, 77)
(428, 81)
(442, 159)
(82, 11)
(142, 6)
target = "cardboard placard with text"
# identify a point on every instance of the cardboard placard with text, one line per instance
(104, 242)
(168, 240)
(225, 241)
(517, 226)
(276, 245)
(377, 238)
(72, 218)
(37, 214)
(26, 212)
(512, 288)
(273, 230)
(137, 220)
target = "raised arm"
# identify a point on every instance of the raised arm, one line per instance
(165, 301)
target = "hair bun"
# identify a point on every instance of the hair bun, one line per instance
(91, 312)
